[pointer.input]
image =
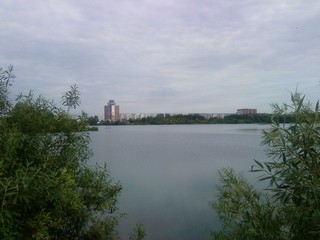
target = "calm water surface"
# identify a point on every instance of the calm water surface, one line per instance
(169, 173)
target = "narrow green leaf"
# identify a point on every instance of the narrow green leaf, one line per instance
(284, 158)
(259, 163)
(264, 178)
(268, 167)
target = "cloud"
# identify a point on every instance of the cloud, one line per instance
(171, 55)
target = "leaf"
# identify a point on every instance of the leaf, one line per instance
(284, 158)
(268, 167)
(259, 163)
(265, 178)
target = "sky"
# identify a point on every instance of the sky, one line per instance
(172, 56)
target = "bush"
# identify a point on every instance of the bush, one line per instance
(47, 190)
(290, 207)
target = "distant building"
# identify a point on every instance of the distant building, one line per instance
(135, 116)
(244, 111)
(112, 111)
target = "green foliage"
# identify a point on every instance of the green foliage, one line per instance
(293, 176)
(139, 233)
(248, 118)
(5, 77)
(245, 212)
(198, 119)
(167, 119)
(294, 173)
(71, 98)
(93, 120)
(93, 129)
(47, 190)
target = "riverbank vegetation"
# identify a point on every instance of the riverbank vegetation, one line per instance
(198, 119)
(289, 207)
(167, 119)
(47, 189)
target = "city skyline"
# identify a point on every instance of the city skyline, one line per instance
(112, 113)
(164, 56)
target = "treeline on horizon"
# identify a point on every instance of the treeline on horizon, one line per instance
(167, 119)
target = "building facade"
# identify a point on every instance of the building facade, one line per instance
(244, 111)
(111, 111)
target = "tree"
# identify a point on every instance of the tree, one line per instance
(5, 77)
(71, 98)
(292, 196)
(47, 189)
(93, 120)
(245, 212)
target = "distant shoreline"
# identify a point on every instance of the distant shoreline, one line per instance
(259, 118)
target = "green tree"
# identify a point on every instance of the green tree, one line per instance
(71, 98)
(47, 189)
(292, 197)
(245, 212)
(6, 77)
(93, 120)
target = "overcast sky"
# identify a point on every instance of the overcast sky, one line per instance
(164, 55)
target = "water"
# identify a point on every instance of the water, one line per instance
(169, 173)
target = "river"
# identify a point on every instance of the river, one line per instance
(169, 173)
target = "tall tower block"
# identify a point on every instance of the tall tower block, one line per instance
(111, 111)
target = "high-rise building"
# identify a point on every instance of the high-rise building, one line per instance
(111, 111)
